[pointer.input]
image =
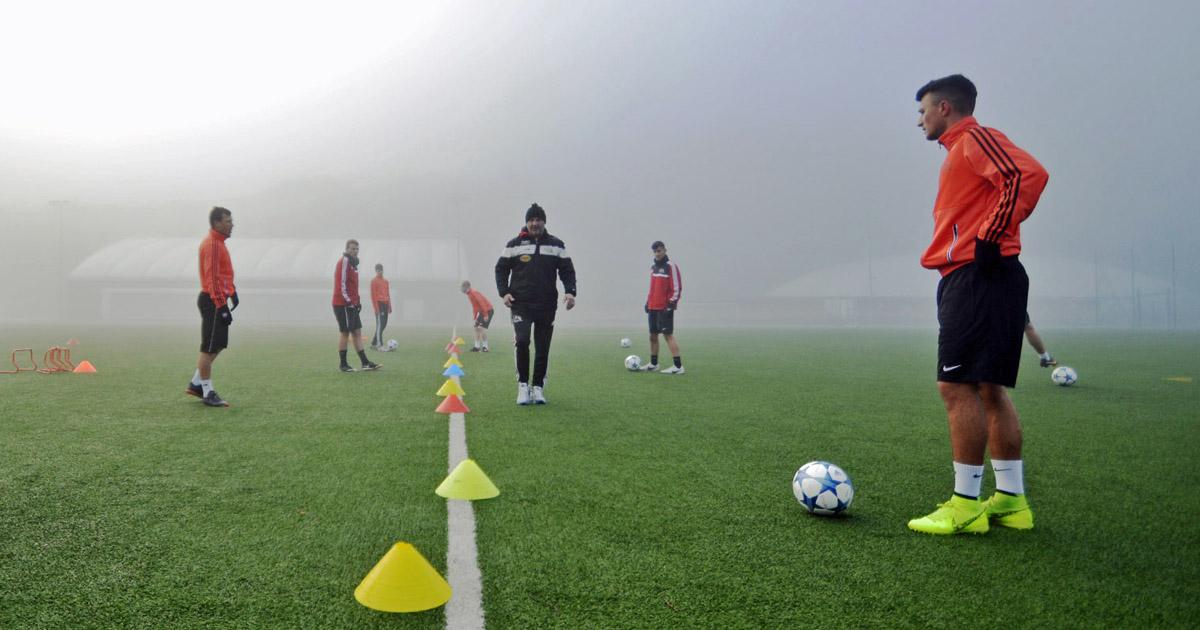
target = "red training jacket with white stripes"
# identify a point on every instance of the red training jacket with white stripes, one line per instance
(216, 270)
(345, 284)
(666, 285)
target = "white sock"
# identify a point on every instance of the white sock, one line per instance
(207, 385)
(968, 480)
(1010, 475)
(196, 377)
(1045, 355)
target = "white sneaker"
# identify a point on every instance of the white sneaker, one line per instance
(650, 367)
(673, 370)
(538, 397)
(523, 393)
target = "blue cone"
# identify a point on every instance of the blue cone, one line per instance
(454, 370)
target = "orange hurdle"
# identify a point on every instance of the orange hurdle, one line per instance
(56, 359)
(17, 366)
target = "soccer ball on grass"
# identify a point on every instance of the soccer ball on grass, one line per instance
(625, 342)
(633, 363)
(392, 345)
(823, 488)
(1064, 376)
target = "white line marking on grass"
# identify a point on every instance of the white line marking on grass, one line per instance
(465, 609)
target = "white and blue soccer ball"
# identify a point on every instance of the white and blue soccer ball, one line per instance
(1064, 376)
(633, 363)
(625, 342)
(823, 488)
(392, 345)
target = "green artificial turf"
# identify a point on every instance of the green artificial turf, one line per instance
(631, 500)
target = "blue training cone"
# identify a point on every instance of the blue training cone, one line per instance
(454, 370)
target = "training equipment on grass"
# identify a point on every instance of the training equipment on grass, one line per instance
(17, 367)
(450, 387)
(403, 581)
(468, 482)
(85, 367)
(453, 404)
(452, 361)
(625, 343)
(633, 363)
(823, 488)
(1064, 376)
(56, 359)
(459, 341)
(453, 370)
(392, 344)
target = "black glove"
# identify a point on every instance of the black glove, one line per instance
(234, 299)
(225, 315)
(646, 307)
(987, 256)
(358, 308)
(672, 306)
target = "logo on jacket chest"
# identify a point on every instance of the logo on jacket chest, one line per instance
(525, 258)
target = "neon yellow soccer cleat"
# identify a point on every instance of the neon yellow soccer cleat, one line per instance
(956, 516)
(1009, 511)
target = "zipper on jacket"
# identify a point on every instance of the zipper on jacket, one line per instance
(953, 242)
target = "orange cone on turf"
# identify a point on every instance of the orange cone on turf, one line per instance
(452, 404)
(72, 342)
(403, 581)
(85, 367)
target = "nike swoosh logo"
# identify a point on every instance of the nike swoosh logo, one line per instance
(976, 476)
(950, 368)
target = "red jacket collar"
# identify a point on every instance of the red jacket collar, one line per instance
(217, 235)
(951, 135)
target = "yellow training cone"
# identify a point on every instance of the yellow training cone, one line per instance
(467, 481)
(402, 581)
(459, 341)
(452, 361)
(450, 387)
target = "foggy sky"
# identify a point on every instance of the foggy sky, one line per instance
(760, 140)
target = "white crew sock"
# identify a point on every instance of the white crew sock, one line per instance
(207, 385)
(968, 480)
(1045, 355)
(1010, 475)
(196, 377)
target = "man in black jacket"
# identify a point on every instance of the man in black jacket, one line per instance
(525, 278)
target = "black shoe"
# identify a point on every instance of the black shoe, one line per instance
(485, 349)
(475, 350)
(194, 390)
(346, 368)
(370, 366)
(213, 400)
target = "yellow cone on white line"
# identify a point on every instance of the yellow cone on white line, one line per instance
(402, 581)
(452, 361)
(467, 481)
(450, 387)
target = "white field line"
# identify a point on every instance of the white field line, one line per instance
(464, 611)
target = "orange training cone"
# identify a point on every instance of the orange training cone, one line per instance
(403, 581)
(452, 404)
(72, 342)
(467, 481)
(85, 367)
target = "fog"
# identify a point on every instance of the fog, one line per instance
(772, 145)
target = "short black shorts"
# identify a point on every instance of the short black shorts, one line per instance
(981, 322)
(484, 320)
(214, 332)
(347, 318)
(662, 322)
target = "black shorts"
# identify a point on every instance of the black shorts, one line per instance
(981, 323)
(347, 318)
(662, 322)
(484, 320)
(214, 332)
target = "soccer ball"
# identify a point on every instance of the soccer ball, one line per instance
(392, 345)
(1064, 376)
(633, 363)
(823, 488)
(625, 343)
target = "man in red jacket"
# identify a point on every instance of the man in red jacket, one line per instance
(666, 287)
(347, 305)
(988, 186)
(218, 297)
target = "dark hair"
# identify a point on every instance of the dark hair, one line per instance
(378, 266)
(656, 245)
(956, 89)
(216, 214)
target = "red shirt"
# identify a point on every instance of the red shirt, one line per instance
(666, 285)
(381, 293)
(216, 270)
(988, 186)
(479, 304)
(345, 284)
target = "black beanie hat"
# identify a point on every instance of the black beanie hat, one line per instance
(535, 211)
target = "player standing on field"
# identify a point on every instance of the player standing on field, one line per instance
(525, 278)
(218, 298)
(481, 312)
(347, 305)
(987, 187)
(666, 285)
(381, 301)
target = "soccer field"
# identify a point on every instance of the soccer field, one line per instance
(630, 501)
